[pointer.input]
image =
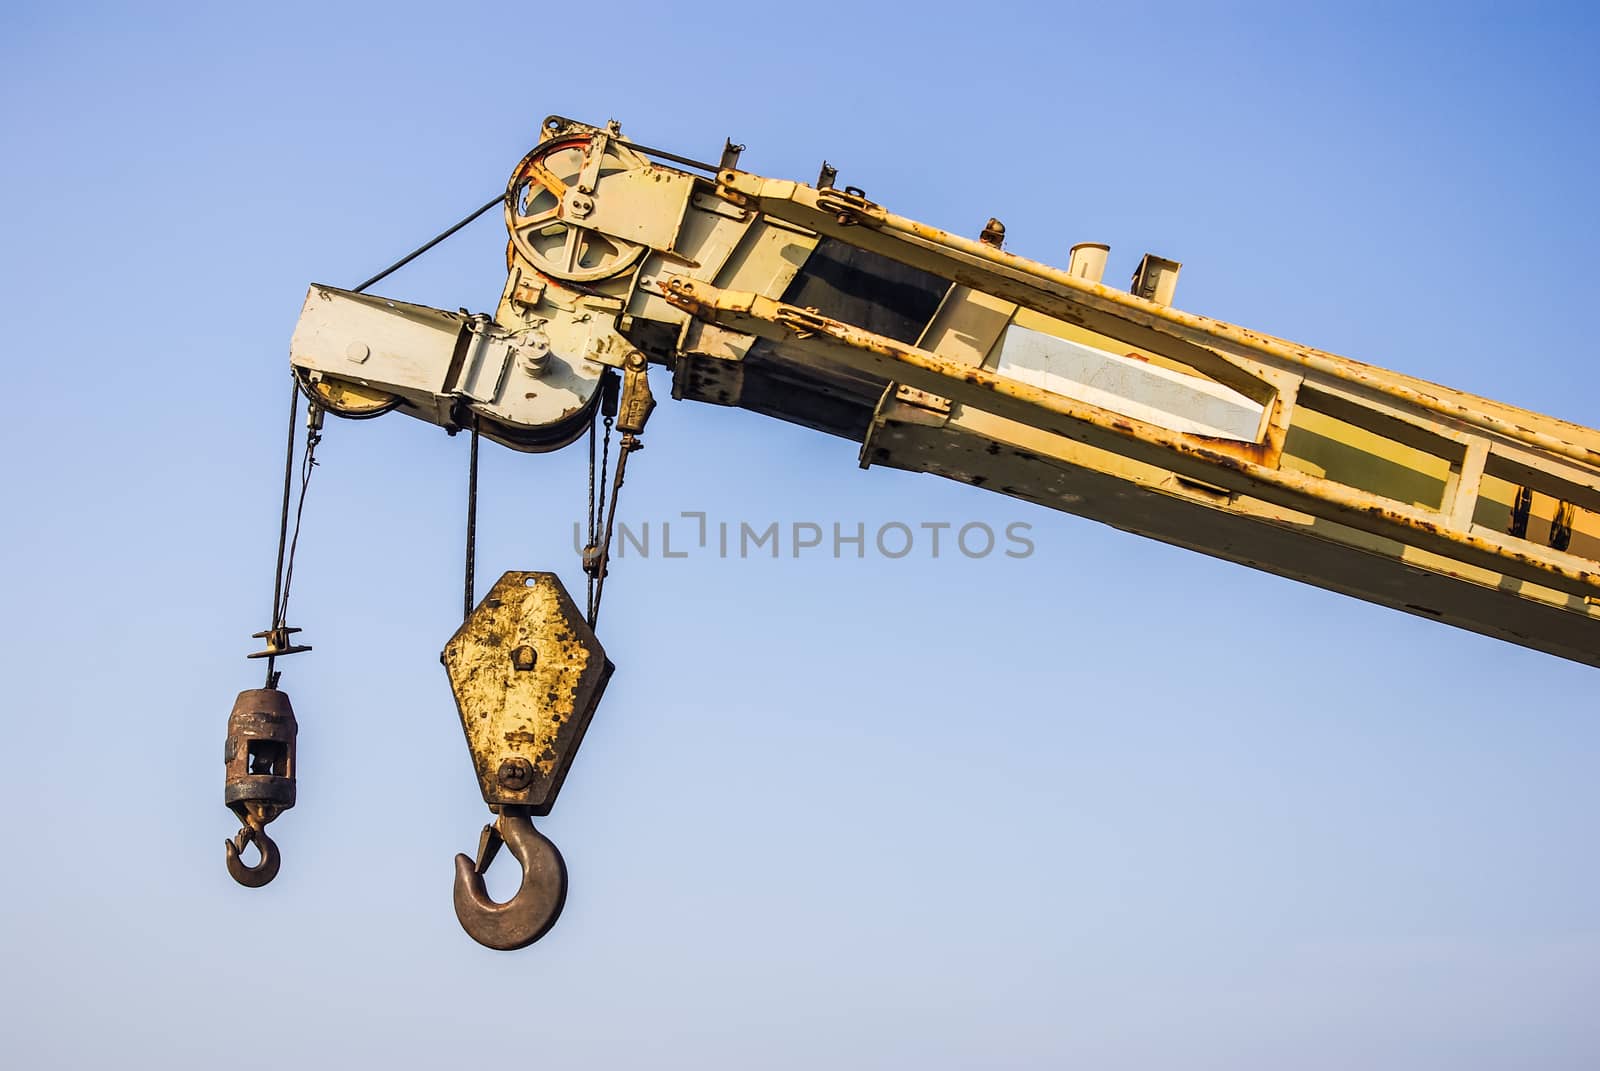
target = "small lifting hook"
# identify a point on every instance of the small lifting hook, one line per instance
(253, 877)
(529, 914)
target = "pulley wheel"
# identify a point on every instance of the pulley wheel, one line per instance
(344, 398)
(544, 212)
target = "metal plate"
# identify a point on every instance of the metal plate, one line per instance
(527, 673)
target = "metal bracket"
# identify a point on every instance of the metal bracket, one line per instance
(637, 401)
(485, 353)
(278, 643)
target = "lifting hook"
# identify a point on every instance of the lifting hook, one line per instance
(529, 914)
(253, 877)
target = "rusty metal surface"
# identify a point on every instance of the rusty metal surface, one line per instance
(637, 401)
(259, 781)
(540, 895)
(1051, 290)
(527, 673)
(1247, 468)
(260, 752)
(1014, 459)
(940, 353)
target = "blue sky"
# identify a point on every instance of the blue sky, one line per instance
(1113, 806)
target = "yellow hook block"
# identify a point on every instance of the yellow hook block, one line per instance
(527, 673)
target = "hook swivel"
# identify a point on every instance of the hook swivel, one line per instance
(529, 914)
(253, 877)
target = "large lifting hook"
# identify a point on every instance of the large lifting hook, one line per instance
(529, 914)
(527, 673)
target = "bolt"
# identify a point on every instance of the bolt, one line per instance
(534, 352)
(582, 205)
(515, 774)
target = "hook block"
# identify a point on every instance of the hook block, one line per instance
(527, 673)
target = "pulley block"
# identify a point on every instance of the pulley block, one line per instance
(527, 673)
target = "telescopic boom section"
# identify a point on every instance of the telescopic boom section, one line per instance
(948, 355)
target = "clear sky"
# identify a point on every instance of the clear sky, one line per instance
(1113, 806)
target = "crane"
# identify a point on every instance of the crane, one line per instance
(935, 353)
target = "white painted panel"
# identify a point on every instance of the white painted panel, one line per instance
(1127, 385)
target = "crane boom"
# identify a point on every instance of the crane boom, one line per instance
(935, 353)
(944, 354)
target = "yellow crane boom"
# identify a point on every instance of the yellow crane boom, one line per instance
(945, 354)
(936, 353)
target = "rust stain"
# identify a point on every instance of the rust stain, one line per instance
(517, 705)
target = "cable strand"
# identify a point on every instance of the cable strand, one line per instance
(421, 249)
(283, 517)
(469, 582)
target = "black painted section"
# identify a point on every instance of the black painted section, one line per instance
(870, 291)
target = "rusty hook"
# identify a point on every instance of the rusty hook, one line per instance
(529, 914)
(253, 877)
